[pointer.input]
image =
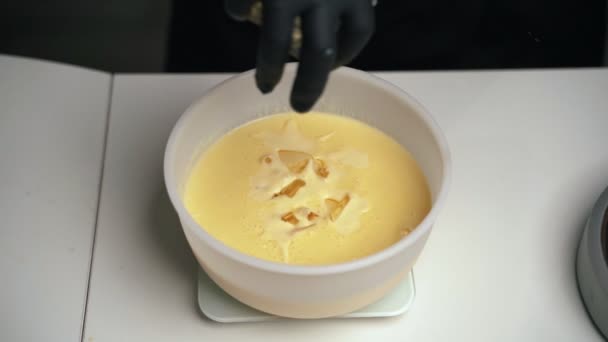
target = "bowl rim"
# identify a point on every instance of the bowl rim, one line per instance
(596, 238)
(313, 270)
(604, 237)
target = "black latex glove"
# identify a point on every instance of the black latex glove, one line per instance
(333, 33)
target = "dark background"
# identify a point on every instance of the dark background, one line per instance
(197, 36)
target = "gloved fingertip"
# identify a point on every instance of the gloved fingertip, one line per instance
(264, 85)
(265, 88)
(301, 106)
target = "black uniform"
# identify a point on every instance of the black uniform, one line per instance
(415, 35)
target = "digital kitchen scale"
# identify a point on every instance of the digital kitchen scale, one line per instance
(219, 306)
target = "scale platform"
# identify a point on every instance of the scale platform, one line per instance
(219, 306)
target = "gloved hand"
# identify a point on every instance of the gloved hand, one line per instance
(333, 33)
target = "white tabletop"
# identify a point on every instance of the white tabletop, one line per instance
(529, 161)
(52, 126)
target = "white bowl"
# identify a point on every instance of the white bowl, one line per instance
(307, 291)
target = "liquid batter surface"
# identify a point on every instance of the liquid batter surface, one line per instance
(307, 189)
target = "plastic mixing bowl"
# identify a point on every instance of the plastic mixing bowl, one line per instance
(307, 291)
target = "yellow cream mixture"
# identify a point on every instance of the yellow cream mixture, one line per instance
(307, 189)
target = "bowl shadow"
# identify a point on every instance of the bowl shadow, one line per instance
(169, 241)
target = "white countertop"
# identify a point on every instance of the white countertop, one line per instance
(52, 126)
(530, 158)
